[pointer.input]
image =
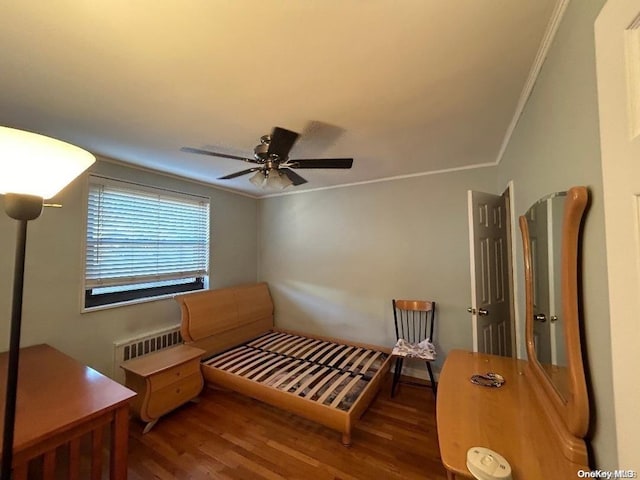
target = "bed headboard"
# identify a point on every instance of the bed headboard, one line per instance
(216, 320)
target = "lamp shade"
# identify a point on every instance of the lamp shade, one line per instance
(258, 179)
(276, 180)
(32, 164)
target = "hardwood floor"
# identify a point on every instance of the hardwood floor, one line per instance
(230, 436)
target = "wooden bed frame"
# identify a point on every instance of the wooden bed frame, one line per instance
(219, 320)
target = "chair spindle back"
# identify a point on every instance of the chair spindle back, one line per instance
(414, 319)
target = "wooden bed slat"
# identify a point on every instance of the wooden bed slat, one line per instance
(301, 376)
(334, 351)
(264, 339)
(225, 355)
(264, 345)
(370, 362)
(342, 355)
(282, 371)
(318, 354)
(332, 388)
(246, 354)
(288, 375)
(260, 359)
(298, 345)
(272, 368)
(249, 360)
(321, 383)
(348, 359)
(279, 345)
(306, 349)
(265, 366)
(345, 390)
(308, 382)
(336, 355)
(360, 360)
(312, 351)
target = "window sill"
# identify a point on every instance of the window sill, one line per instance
(128, 303)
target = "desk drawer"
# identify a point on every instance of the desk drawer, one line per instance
(174, 374)
(166, 399)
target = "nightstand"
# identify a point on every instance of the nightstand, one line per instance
(164, 380)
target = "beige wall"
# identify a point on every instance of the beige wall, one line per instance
(334, 259)
(54, 270)
(555, 146)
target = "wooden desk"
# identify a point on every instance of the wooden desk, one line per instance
(508, 420)
(59, 401)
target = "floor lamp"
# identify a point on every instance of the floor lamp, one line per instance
(32, 167)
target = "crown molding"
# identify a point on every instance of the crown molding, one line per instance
(174, 176)
(541, 55)
(545, 45)
(379, 180)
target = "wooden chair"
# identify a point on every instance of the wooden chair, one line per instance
(414, 321)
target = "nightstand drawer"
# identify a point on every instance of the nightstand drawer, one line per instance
(174, 374)
(172, 396)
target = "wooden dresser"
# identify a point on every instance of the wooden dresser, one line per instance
(164, 380)
(60, 401)
(539, 418)
(509, 420)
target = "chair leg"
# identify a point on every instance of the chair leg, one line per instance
(396, 375)
(433, 382)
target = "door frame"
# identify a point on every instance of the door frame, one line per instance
(617, 75)
(514, 318)
(513, 268)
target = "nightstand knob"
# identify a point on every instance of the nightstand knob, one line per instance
(177, 374)
(177, 390)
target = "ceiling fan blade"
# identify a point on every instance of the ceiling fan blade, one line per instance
(321, 163)
(214, 154)
(293, 176)
(282, 141)
(239, 174)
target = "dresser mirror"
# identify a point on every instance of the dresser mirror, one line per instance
(550, 235)
(544, 220)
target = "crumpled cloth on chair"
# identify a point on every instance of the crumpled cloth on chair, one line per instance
(423, 350)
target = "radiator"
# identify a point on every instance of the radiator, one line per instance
(124, 350)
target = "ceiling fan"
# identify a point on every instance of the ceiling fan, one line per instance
(273, 165)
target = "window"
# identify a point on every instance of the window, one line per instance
(143, 242)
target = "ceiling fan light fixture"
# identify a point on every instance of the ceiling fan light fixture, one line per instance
(276, 180)
(259, 179)
(274, 167)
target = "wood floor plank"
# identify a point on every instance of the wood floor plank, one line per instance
(228, 436)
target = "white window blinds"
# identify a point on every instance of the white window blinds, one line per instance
(137, 234)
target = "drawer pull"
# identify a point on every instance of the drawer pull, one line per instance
(177, 374)
(177, 390)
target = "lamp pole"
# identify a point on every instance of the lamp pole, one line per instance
(38, 167)
(14, 352)
(22, 208)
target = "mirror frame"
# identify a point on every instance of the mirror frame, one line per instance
(573, 411)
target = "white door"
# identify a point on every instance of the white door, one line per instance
(538, 220)
(618, 67)
(555, 212)
(490, 287)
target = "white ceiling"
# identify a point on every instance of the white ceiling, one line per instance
(402, 87)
